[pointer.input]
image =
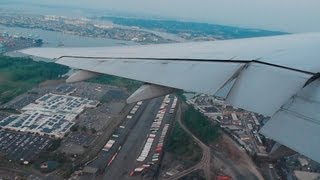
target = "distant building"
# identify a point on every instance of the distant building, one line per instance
(234, 117)
(232, 127)
(212, 112)
(303, 161)
(90, 170)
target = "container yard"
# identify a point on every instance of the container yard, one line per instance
(152, 150)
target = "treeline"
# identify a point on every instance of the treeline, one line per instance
(18, 75)
(25, 69)
(200, 126)
(195, 29)
(182, 145)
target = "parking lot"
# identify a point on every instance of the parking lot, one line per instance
(51, 110)
(22, 147)
(131, 160)
(92, 91)
(150, 157)
(119, 136)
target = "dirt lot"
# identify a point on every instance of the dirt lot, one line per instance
(230, 159)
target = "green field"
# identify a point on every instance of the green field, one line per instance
(18, 75)
(183, 147)
(200, 126)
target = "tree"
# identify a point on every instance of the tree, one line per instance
(93, 131)
(55, 145)
(74, 128)
(84, 129)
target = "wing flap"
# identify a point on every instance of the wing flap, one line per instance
(200, 76)
(264, 89)
(297, 123)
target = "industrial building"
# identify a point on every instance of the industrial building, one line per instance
(51, 114)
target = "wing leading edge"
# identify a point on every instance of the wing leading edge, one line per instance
(264, 73)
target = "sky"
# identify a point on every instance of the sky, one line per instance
(284, 15)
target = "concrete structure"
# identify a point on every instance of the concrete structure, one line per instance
(304, 175)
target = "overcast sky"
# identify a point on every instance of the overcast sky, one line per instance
(285, 15)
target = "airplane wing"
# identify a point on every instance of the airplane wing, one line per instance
(274, 76)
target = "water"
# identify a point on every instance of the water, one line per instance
(54, 39)
(189, 95)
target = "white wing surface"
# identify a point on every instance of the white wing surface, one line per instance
(267, 74)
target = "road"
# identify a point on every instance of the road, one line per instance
(270, 172)
(204, 164)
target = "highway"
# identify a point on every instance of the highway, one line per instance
(204, 164)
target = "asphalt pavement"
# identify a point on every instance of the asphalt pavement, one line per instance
(125, 161)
